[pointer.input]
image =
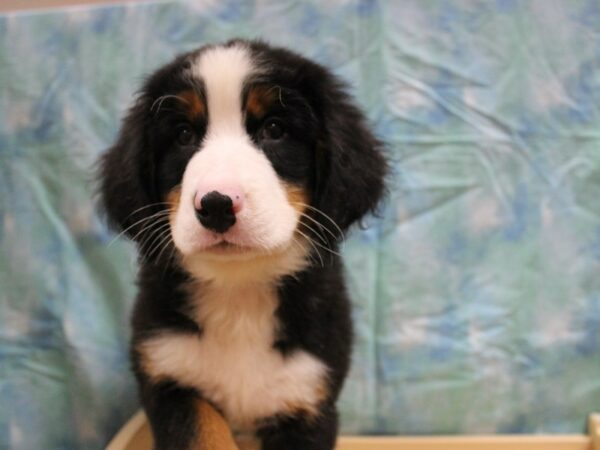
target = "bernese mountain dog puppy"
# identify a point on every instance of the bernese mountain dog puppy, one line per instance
(237, 172)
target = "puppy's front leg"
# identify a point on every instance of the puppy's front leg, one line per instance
(182, 420)
(301, 432)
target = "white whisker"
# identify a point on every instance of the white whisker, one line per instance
(312, 208)
(158, 242)
(311, 242)
(158, 214)
(319, 235)
(153, 230)
(320, 225)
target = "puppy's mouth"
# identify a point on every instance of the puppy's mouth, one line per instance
(227, 248)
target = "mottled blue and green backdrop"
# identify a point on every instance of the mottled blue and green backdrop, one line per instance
(477, 293)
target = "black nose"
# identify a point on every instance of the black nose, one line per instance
(216, 212)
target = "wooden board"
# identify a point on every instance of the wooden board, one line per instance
(136, 436)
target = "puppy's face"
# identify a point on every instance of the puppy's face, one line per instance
(238, 158)
(239, 152)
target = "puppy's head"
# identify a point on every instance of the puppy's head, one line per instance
(241, 155)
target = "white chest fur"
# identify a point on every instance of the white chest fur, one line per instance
(233, 362)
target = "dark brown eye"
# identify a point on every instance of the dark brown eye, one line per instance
(185, 134)
(273, 129)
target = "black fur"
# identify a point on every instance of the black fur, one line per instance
(335, 159)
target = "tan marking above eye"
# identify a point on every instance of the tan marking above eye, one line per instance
(194, 105)
(260, 98)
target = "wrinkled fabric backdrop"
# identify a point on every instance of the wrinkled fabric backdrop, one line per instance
(477, 293)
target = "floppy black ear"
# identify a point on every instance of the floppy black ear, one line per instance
(350, 162)
(126, 173)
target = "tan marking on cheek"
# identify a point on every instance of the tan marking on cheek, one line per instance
(297, 197)
(194, 105)
(173, 199)
(215, 433)
(259, 99)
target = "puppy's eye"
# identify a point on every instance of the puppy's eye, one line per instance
(185, 134)
(273, 129)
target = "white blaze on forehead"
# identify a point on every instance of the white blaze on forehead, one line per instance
(224, 70)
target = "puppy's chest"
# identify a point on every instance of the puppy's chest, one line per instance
(233, 362)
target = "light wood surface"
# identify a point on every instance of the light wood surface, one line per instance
(136, 436)
(543, 442)
(594, 430)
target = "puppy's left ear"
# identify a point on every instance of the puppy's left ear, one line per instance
(350, 161)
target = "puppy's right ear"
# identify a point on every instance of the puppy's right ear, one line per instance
(126, 173)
